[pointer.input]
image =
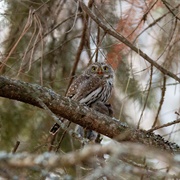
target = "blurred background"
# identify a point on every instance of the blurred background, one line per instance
(48, 42)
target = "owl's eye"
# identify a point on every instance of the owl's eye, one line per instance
(105, 68)
(93, 69)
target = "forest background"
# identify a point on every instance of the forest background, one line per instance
(49, 42)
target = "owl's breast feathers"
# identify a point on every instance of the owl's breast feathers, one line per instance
(90, 89)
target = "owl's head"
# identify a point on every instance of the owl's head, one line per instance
(101, 69)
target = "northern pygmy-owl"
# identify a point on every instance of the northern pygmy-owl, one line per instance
(93, 85)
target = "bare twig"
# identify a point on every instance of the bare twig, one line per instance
(62, 137)
(126, 42)
(170, 10)
(161, 101)
(148, 91)
(25, 29)
(98, 41)
(80, 48)
(143, 19)
(164, 125)
(156, 21)
(16, 146)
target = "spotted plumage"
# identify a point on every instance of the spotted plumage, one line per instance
(93, 85)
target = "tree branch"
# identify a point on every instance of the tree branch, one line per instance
(52, 160)
(79, 114)
(122, 39)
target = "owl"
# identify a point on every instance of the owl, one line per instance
(93, 85)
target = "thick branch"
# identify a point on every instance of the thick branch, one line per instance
(79, 114)
(121, 38)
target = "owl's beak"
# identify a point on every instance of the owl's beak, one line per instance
(100, 72)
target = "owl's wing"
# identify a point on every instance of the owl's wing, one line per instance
(89, 90)
(77, 82)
